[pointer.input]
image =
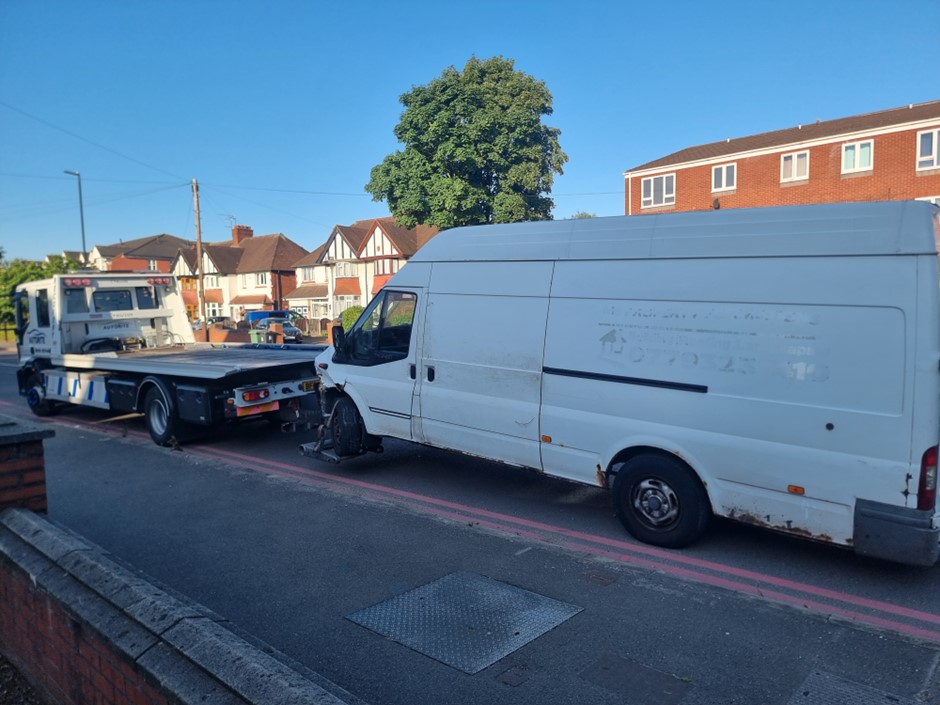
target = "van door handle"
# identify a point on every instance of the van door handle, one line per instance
(430, 374)
(414, 372)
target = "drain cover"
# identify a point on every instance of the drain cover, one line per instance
(465, 620)
(821, 688)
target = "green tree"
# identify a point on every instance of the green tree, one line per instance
(475, 150)
(14, 273)
(582, 214)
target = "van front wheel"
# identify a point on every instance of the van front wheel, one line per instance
(660, 501)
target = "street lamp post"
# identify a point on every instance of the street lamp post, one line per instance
(81, 212)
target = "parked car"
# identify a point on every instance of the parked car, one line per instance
(291, 333)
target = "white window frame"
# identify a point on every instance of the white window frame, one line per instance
(724, 170)
(261, 278)
(668, 196)
(857, 147)
(931, 160)
(794, 156)
(346, 270)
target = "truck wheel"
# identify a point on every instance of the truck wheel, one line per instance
(660, 501)
(36, 397)
(346, 426)
(159, 418)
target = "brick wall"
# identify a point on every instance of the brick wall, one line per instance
(22, 465)
(893, 177)
(84, 630)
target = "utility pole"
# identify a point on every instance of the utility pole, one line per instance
(201, 293)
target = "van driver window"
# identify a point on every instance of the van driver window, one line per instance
(383, 333)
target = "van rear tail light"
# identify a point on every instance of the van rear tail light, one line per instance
(927, 487)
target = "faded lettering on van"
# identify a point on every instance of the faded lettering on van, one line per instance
(800, 354)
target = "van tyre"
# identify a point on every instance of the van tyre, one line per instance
(346, 427)
(660, 501)
(158, 415)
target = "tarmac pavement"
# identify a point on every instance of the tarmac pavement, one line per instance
(400, 603)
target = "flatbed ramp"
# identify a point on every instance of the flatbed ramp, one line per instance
(205, 361)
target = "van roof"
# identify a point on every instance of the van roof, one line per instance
(880, 228)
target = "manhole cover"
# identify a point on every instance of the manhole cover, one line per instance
(465, 620)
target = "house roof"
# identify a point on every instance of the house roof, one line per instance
(312, 258)
(896, 117)
(269, 253)
(161, 246)
(224, 258)
(308, 291)
(347, 287)
(407, 240)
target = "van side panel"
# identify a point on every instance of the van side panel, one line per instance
(805, 383)
(480, 371)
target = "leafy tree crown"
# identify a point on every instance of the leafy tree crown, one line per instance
(475, 150)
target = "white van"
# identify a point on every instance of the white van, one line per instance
(778, 366)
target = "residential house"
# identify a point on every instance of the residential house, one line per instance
(353, 264)
(888, 155)
(249, 273)
(311, 298)
(156, 253)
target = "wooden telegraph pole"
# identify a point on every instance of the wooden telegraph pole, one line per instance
(201, 293)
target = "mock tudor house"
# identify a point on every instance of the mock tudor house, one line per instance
(883, 156)
(353, 264)
(250, 273)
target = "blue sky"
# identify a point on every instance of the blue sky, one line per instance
(281, 108)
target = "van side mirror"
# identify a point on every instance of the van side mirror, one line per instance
(339, 339)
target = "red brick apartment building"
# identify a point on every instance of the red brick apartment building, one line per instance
(884, 156)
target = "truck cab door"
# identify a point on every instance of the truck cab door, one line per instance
(33, 321)
(376, 364)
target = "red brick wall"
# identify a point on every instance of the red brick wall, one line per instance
(76, 665)
(894, 177)
(23, 476)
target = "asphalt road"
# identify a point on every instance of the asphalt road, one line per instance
(425, 544)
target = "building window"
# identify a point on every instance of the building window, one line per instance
(857, 156)
(261, 279)
(794, 167)
(385, 266)
(724, 177)
(659, 191)
(345, 269)
(345, 301)
(928, 151)
(152, 265)
(211, 281)
(307, 274)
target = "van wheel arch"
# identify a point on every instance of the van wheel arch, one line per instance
(658, 497)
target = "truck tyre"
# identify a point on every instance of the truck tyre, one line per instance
(346, 427)
(660, 501)
(161, 423)
(36, 397)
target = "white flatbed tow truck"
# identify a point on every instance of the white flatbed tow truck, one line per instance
(122, 341)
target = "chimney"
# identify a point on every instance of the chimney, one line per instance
(240, 233)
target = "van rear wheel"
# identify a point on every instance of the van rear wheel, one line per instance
(660, 501)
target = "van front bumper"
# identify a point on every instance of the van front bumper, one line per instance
(895, 533)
